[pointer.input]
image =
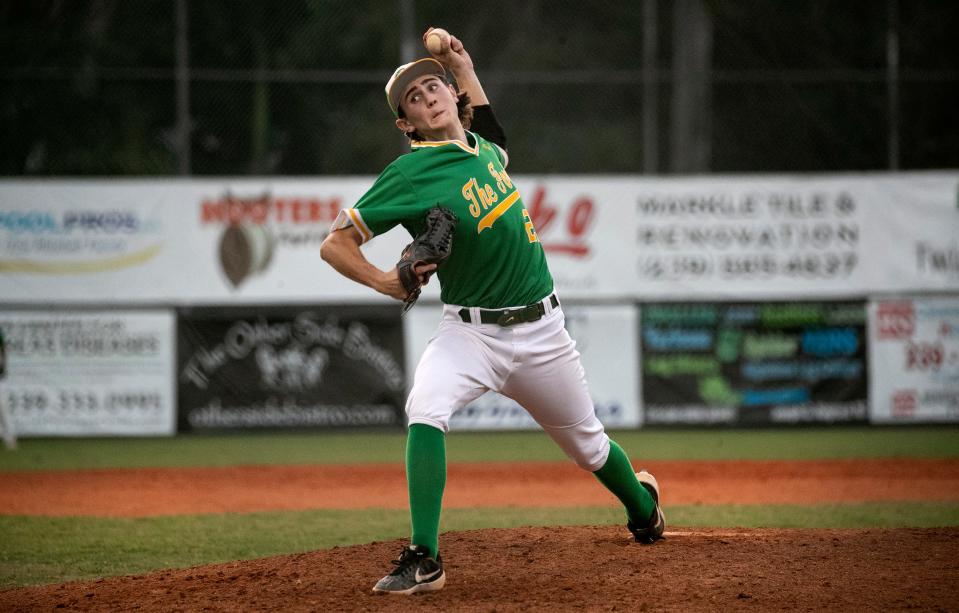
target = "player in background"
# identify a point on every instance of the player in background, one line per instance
(6, 423)
(502, 327)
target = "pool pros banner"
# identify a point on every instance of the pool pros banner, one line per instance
(754, 363)
(248, 368)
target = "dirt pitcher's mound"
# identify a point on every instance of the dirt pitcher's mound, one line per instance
(563, 569)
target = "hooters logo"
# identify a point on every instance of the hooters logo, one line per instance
(896, 320)
(255, 226)
(230, 209)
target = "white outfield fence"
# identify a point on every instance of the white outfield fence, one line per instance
(119, 252)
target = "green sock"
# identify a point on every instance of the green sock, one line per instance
(426, 479)
(618, 476)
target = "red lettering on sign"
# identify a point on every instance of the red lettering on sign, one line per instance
(904, 403)
(580, 216)
(896, 320)
(230, 210)
(578, 219)
(541, 213)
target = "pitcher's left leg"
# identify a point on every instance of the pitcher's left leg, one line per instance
(549, 381)
(551, 385)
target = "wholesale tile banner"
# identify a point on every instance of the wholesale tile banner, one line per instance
(605, 337)
(256, 241)
(754, 363)
(290, 367)
(914, 360)
(749, 237)
(89, 373)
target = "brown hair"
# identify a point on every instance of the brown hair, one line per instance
(463, 109)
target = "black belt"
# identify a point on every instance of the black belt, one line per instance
(509, 317)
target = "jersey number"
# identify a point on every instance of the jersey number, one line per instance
(530, 230)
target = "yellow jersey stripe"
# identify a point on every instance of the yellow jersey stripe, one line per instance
(357, 220)
(496, 213)
(416, 144)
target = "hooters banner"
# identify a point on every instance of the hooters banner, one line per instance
(611, 238)
(914, 358)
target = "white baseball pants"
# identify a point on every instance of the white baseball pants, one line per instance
(536, 364)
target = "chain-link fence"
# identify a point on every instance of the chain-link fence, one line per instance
(229, 87)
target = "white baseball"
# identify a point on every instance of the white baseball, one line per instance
(437, 41)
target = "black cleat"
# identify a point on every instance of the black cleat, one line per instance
(415, 572)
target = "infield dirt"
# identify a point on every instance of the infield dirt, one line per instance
(589, 568)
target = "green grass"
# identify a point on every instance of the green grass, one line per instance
(37, 550)
(350, 448)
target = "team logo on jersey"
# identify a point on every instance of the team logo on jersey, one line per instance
(484, 199)
(487, 220)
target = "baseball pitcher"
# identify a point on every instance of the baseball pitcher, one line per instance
(502, 327)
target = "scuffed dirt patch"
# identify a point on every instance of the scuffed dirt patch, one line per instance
(563, 569)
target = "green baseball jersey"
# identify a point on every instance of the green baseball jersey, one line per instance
(497, 260)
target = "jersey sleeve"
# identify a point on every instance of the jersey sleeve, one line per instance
(503, 156)
(390, 201)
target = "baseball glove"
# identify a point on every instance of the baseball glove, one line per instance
(432, 246)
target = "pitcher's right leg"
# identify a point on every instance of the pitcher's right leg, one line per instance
(454, 370)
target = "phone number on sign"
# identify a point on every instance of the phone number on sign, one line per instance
(739, 266)
(70, 401)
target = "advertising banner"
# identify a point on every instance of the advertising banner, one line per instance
(290, 367)
(89, 373)
(178, 242)
(254, 241)
(914, 360)
(754, 363)
(605, 336)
